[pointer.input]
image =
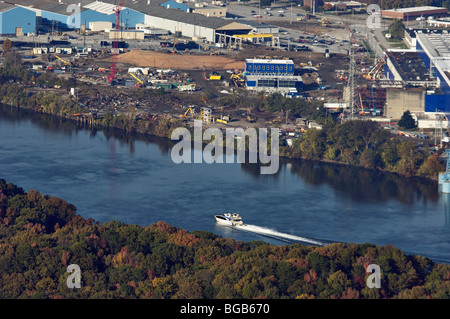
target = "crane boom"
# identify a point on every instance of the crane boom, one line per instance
(115, 44)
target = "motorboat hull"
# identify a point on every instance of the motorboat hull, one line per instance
(228, 220)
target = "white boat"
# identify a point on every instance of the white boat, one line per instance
(229, 219)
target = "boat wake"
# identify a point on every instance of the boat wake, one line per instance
(278, 235)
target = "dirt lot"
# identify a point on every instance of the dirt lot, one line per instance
(178, 61)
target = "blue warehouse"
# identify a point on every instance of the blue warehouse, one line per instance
(11, 25)
(272, 76)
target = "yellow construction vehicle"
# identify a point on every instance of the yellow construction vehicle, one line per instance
(63, 61)
(223, 119)
(238, 79)
(136, 78)
(214, 76)
(249, 116)
(324, 22)
(376, 70)
(186, 113)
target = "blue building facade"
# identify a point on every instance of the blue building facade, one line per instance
(269, 67)
(128, 17)
(435, 102)
(63, 21)
(273, 76)
(17, 17)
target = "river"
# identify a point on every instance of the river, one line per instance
(109, 175)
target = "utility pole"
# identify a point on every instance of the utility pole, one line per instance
(351, 77)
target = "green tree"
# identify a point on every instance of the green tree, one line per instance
(396, 29)
(407, 121)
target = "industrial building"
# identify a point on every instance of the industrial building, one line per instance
(11, 25)
(53, 15)
(424, 76)
(408, 67)
(272, 76)
(413, 13)
(434, 49)
(439, 23)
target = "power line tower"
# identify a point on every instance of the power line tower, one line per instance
(351, 80)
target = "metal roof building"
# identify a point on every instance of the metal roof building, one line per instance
(10, 24)
(59, 15)
(176, 21)
(434, 49)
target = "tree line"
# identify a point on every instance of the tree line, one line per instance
(41, 235)
(365, 144)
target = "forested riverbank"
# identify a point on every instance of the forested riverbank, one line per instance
(41, 235)
(357, 143)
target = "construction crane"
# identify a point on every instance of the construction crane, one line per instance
(63, 61)
(373, 74)
(136, 78)
(115, 45)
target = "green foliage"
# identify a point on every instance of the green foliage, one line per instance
(41, 235)
(363, 143)
(407, 121)
(396, 29)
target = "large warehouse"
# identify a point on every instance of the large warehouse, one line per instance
(434, 49)
(152, 14)
(57, 15)
(414, 12)
(11, 25)
(424, 74)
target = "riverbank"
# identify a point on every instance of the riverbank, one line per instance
(356, 143)
(42, 235)
(427, 167)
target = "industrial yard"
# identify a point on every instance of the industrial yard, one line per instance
(148, 69)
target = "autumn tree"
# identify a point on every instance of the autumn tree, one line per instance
(7, 45)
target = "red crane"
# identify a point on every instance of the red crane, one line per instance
(115, 45)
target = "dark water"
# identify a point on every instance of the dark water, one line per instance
(108, 175)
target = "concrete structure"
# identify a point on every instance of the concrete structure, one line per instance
(15, 20)
(401, 100)
(272, 76)
(100, 26)
(128, 34)
(414, 12)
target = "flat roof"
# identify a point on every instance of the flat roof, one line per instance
(415, 9)
(269, 61)
(437, 44)
(410, 66)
